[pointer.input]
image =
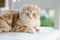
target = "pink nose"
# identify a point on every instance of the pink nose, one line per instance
(30, 17)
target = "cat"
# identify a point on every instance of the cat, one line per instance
(28, 19)
(7, 20)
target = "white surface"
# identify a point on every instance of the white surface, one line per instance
(44, 34)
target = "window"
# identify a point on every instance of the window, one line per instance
(2, 3)
(6, 6)
(47, 17)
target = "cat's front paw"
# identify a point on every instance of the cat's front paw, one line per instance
(37, 28)
(31, 31)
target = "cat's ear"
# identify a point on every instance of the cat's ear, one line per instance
(24, 7)
(39, 11)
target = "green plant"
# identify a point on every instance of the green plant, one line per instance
(47, 22)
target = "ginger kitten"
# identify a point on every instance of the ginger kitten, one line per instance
(29, 19)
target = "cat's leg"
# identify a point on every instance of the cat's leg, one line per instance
(37, 28)
(19, 29)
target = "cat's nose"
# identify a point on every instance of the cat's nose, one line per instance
(30, 16)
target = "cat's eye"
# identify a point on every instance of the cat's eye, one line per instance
(34, 14)
(27, 14)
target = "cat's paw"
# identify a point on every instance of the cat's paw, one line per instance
(31, 31)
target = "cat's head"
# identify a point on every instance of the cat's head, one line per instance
(31, 11)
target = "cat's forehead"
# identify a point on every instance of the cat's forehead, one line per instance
(30, 7)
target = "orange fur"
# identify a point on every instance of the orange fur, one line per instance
(28, 20)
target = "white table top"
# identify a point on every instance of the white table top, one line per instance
(44, 34)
